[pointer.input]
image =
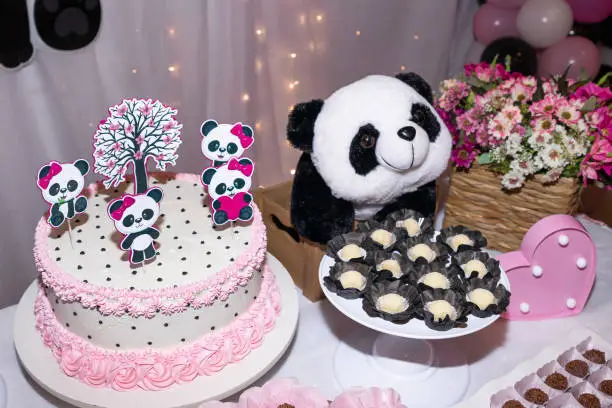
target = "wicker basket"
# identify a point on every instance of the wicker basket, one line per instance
(477, 201)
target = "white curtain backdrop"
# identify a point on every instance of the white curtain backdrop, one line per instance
(232, 60)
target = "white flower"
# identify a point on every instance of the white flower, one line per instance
(539, 140)
(543, 125)
(561, 130)
(582, 126)
(522, 166)
(537, 163)
(552, 175)
(574, 147)
(513, 144)
(553, 156)
(513, 180)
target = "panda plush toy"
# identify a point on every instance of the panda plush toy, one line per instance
(134, 217)
(61, 185)
(221, 142)
(373, 147)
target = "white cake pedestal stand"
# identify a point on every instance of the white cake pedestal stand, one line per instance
(42, 367)
(424, 372)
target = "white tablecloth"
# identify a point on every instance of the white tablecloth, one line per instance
(490, 353)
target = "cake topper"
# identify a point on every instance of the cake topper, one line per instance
(61, 185)
(136, 130)
(222, 142)
(228, 187)
(134, 216)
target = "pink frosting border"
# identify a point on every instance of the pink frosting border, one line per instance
(136, 303)
(157, 370)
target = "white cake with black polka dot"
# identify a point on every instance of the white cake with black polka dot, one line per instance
(206, 300)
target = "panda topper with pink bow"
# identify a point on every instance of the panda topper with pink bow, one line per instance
(221, 142)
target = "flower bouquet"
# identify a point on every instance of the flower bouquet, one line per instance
(522, 147)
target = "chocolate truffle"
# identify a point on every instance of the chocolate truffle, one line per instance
(513, 404)
(596, 356)
(557, 381)
(589, 401)
(578, 368)
(536, 395)
(606, 387)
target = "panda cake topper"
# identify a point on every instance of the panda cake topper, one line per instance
(134, 217)
(61, 185)
(136, 131)
(221, 142)
(228, 188)
(373, 147)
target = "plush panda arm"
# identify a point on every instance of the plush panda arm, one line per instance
(315, 213)
(423, 200)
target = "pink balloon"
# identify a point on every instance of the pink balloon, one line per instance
(590, 11)
(581, 53)
(507, 3)
(492, 22)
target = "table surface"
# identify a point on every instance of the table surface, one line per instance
(491, 352)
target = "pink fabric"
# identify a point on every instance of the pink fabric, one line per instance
(117, 302)
(128, 201)
(157, 370)
(246, 169)
(232, 205)
(55, 169)
(245, 141)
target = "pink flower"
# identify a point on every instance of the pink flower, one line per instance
(463, 156)
(499, 72)
(592, 89)
(160, 157)
(552, 175)
(114, 127)
(358, 397)
(600, 118)
(567, 113)
(140, 139)
(512, 114)
(543, 125)
(466, 122)
(521, 93)
(544, 107)
(116, 146)
(483, 72)
(103, 122)
(167, 138)
(169, 125)
(482, 136)
(138, 155)
(499, 128)
(601, 151)
(98, 153)
(129, 129)
(146, 110)
(120, 110)
(588, 171)
(111, 164)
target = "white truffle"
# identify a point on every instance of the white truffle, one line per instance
(392, 266)
(440, 309)
(352, 280)
(412, 227)
(457, 240)
(382, 237)
(421, 251)
(474, 265)
(482, 298)
(435, 280)
(351, 251)
(392, 303)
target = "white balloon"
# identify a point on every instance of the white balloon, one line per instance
(543, 23)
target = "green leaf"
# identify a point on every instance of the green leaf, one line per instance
(609, 154)
(470, 99)
(577, 85)
(508, 60)
(475, 82)
(589, 105)
(494, 62)
(485, 158)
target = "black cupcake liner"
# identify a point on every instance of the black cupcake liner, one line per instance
(501, 294)
(332, 281)
(398, 286)
(369, 227)
(479, 241)
(396, 220)
(493, 271)
(339, 242)
(381, 256)
(441, 251)
(456, 299)
(450, 272)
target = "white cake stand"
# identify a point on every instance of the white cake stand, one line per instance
(427, 374)
(42, 367)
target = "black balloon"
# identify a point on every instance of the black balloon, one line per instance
(523, 57)
(590, 31)
(481, 2)
(605, 32)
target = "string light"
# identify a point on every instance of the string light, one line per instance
(134, 70)
(172, 68)
(258, 125)
(259, 32)
(245, 97)
(258, 65)
(416, 37)
(293, 84)
(311, 45)
(302, 19)
(171, 32)
(91, 124)
(292, 172)
(290, 108)
(357, 33)
(403, 67)
(319, 17)
(293, 55)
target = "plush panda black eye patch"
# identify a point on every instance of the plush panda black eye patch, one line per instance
(220, 189)
(239, 183)
(232, 148)
(147, 214)
(424, 117)
(72, 185)
(54, 189)
(128, 221)
(213, 146)
(362, 153)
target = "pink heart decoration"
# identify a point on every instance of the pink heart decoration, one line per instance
(553, 273)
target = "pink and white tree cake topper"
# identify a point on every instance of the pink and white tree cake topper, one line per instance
(134, 217)
(136, 130)
(553, 272)
(228, 188)
(61, 185)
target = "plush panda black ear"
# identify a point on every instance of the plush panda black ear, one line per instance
(418, 83)
(300, 129)
(247, 130)
(82, 165)
(115, 205)
(208, 175)
(44, 171)
(208, 126)
(156, 194)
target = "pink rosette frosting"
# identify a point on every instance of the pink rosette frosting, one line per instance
(359, 397)
(152, 369)
(146, 303)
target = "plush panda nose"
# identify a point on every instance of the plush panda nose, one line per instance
(138, 219)
(407, 133)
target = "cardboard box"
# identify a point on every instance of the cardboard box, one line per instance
(596, 202)
(299, 256)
